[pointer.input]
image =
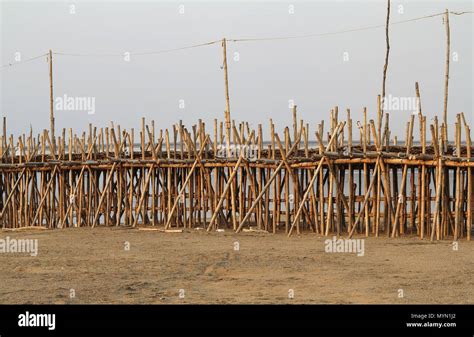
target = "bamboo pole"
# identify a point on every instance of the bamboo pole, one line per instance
(385, 67)
(446, 80)
(51, 101)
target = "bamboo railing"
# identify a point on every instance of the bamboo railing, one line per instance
(343, 183)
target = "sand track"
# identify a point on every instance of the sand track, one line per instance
(95, 264)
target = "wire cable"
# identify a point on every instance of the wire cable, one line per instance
(343, 31)
(8, 65)
(239, 40)
(139, 54)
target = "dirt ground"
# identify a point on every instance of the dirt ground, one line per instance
(204, 268)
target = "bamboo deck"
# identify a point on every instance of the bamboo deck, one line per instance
(347, 183)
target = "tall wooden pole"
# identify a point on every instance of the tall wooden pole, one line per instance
(51, 100)
(4, 136)
(385, 67)
(227, 100)
(227, 127)
(446, 80)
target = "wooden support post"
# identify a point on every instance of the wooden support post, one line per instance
(446, 78)
(51, 102)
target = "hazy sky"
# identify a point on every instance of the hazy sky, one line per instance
(267, 74)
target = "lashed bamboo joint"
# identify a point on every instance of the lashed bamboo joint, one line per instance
(338, 185)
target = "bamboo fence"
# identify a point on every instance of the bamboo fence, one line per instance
(343, 183)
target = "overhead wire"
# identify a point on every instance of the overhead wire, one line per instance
(255, 39)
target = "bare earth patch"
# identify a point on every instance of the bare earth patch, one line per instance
(96, 265)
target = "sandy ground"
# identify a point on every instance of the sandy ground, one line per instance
(95, 263)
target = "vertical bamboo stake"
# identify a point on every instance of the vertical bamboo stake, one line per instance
(351, 173)
(321, 183)
(387, 52)
(438, 184)
(366, 175)
(287, 185)
(227, 123)
(458, 185)
(418, 100)
(423, 179)
(142, 140)
(4, 138)
(272, 135)
(227, 99)
(51, 101)
(446, 80)
(295, 126)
